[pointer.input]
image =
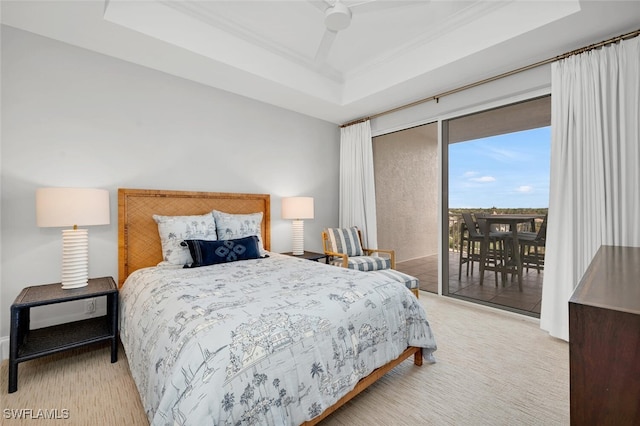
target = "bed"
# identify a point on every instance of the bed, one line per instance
(270, 339)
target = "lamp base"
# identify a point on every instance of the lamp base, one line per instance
(75, 258)
(298, 237)
(75, 285)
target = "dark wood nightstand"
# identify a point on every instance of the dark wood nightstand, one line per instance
(26, 344)
(309, 255)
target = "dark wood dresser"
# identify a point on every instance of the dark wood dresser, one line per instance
(604, 340)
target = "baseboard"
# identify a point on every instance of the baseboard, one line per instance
(494, 309)
(4, 347)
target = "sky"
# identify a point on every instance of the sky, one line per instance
(504, 171)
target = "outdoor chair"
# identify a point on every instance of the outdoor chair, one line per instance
(469, 246)
(535, 241)
(495, 252)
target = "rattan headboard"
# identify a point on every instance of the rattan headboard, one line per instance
(138, 238)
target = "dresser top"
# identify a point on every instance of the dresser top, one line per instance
(612, 280)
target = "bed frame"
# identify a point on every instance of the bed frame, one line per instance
(139, 244)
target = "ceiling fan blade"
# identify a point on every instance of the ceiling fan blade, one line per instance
(325, 45)
(322, 5)
(379, 5)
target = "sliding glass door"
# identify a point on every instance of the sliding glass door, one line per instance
(496, 162)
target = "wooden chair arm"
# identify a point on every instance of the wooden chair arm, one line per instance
(391, 253)
(345, 258)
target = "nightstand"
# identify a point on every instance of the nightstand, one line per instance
(26, 344)
(309, 255)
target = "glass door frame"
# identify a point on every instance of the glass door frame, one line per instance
(443, 128)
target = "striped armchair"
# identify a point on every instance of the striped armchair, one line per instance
(344, 248)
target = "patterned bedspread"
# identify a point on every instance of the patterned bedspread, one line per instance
(266, 341)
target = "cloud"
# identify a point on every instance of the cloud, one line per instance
(484, 179)
(469, 174)
(501, 154)
(525, 189)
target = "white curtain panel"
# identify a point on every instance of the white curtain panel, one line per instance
(595, 161)
(357, 187)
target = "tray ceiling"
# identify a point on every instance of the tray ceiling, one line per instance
(280, 52)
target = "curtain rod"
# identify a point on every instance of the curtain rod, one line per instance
(612, 40)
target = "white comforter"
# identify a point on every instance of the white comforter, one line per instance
(266, 341)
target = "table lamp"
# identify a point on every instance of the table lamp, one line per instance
(297, 209)
(73, 207)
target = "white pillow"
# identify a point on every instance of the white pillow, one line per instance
(231, 226)
(175, 229)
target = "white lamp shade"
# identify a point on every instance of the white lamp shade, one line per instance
(297, 208)
(72, 206)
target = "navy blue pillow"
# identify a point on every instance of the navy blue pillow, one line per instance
(206, 252)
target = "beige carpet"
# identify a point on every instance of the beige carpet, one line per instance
(494, 368)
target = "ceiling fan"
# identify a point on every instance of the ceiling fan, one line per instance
(337, 17)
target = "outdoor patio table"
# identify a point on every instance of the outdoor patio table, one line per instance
(503, 219)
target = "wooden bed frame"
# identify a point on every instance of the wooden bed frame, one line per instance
(139, 244)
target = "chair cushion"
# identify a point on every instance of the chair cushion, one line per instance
(345, 241)
(365, 263)
(408, 280)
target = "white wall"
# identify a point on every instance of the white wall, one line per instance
(71, 117)
(524, 85)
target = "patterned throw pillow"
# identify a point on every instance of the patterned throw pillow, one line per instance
(232, 226)
(212, 252)
(345, 241)
(175, 229)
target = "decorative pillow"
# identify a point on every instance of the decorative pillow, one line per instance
(232, 226)
(345, 241)
(175, 229)
(211, 252)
